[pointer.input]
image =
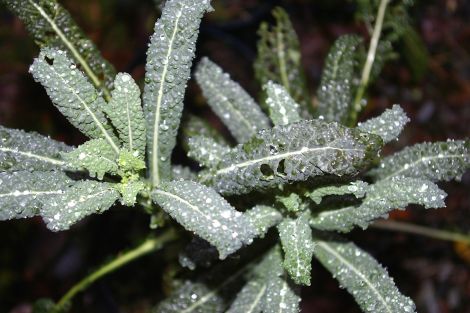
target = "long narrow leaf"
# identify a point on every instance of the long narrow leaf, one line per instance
(279, 60)
(23, 193)
(72, 94)
(380, 199)
(445, 160)
(20, 150)
(363, 277)
(294, 152)
(233, 105)
(169, 57)
(125, 112)
(201, 210)
(296, 239)
(82, 199)
(52, 26)
(335, 93)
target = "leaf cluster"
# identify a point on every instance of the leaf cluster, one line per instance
(306, 173)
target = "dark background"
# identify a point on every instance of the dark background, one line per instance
(37, 263)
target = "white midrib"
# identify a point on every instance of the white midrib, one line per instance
(279, 156)
(325, 246)
(88, 197)
(90, 112)
(257, 299)
(214, 291)
(422, 160)
(129, 128)
(195, 208)
(282, 62)
(242, 118)
(283, 293)
(285, 117)
(70, 46)
(39, 157)
(297, 253)
(155, 157)
(31, 193)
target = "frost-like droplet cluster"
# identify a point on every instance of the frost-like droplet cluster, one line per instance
(380, 199)
(72, 93)
(20, 150)
(201, 210)
(23, 193)
(283, 109)
(296, 239)
(365, 279)
(169, 60)
(82, 199)
(437, 161)
(269, 289)
(52, 26)
(126, 114)
(237, 110)
(279, 60)
(96, 156)
(263, 217)
(388, 125)
(357, 188)
(294, 152)
(335, 93)
(206, 150)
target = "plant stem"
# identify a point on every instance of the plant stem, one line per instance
(149, 245)
(422, 231)
(374, 41)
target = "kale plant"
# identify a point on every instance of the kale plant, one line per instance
(306, 172)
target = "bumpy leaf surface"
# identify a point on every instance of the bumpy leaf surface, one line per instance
(169, 59)
(357, 188)
(445, 160)
(296, 239)
(252, 297)
(294, 152)
(82, 199)
(269, 290)
(23, 193)
(282, 296)
(363, 277)
(237, 110)
(292, 202)
(96, 156)
(263, 217)
(201, 210)
(388, 126)
(72, 94)
(20, 150)
(129, 191)
(195, 126)
(206, 151)
(279, 60)
(380, 199)
(126, 113)
(335, 93)
(283, 109)
(52, 26)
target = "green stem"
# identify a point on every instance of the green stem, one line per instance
(422, 231)
(357, 104)
(149, 245)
